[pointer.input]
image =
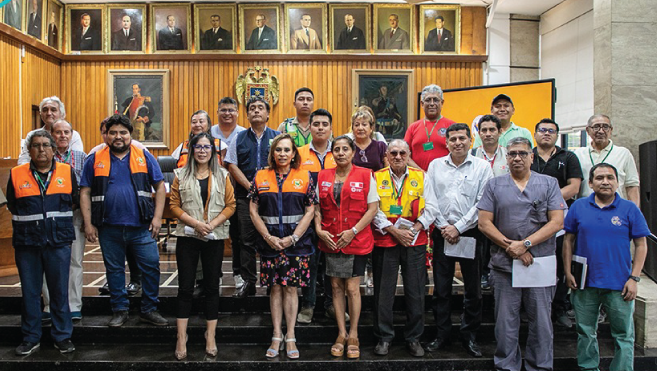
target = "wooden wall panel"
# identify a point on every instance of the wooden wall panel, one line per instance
(200, 85)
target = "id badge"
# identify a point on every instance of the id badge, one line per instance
(428, 146)
(395, 209)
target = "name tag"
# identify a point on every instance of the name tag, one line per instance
(395, 209)
(356, 184)
(326, 184)
(428, 146)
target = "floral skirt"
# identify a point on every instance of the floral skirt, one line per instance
(285, 270)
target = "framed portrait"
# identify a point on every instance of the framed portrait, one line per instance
(394, 28)
(54, 21)
(126, 28)
(390, 94)
(171, 28)
(143, 96)
(440, 29)
(12, 14)
(215, 28)
(350, 28)
(260, 27)
(85, 28)
(34, 21)
(305, 28)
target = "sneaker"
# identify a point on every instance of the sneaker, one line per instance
(76, 316)
(45, 317)
(65, 346)
(562, 320)
(26, 348)
(306, 315)
(330, 313)
(369, 280)
(118, 318)
(239, 282)
(602, 316)
(133, 288)
(485, 283)
(153, 318)
(104, 290)
(571, 314)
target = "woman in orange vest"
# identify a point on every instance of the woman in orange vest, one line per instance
(282, 208)
(200, 123)
(348, 202)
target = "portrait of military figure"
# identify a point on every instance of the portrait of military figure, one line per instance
(171, 28)
(440, 28)
(259, 28)
(350, 28)
(387, 95)
(215, 28)
(141, 99)
(126, 29)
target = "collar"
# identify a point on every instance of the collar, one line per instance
(606, 149)
(448, 160)
(556, 152)
(395, 176)
(33, 167)
(498, 151)
(614, 203)
(261, 135)
(328, 148)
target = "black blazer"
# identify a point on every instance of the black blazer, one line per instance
(170, 41)
(131, 42)
(351, 40)
(34, 25)
(267, 39)
(221, 40)
(446, 41)
(90, 40)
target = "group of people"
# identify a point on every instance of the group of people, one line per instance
(315, 206)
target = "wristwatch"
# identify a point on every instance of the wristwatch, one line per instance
(414, 231)
(637, 279)
(354, 230)
(295, 239)
(527, 243)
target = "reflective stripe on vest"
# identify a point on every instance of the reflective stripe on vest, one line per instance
(287, 219)
(27, 218)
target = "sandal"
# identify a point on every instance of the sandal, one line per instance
(353, 349)
(271, 352)
(180, 355)
(337, 350)
(292, 354)
(212, 352)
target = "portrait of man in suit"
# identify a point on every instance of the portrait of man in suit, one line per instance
(34, 18)
(351, 36)
(86, 36)
(170, 37)
(14, 14)
(262, 37)
(439, 39)
(305, 38)
(216, 37)
(127, 37)
(394, 37)
(53, 31)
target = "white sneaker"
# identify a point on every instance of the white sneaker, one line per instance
(239, 282)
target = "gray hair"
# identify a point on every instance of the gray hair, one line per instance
(432, 89)
(41, 134)
(61, 121)
(598, 116)
(399, 143)
(54, 99)
(519, 140)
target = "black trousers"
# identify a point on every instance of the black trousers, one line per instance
(560, 302)
(385, 264)
(235, 242)
(248, 238)
(443, 274)
(188, 250)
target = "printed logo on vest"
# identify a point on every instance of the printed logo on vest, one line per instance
(385, 182)
(414, 183)
(100, 165)
(616, 221)
(309, 162)
(141, 161)
(59, 182)
(25, 185)
(443, 131)
(298, 183)
(326, 184)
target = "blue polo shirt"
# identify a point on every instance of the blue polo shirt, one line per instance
(603, 237)
(121, 206)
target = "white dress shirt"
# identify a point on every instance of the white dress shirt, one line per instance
(451, 192)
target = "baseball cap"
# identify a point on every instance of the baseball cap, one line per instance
(501, 97)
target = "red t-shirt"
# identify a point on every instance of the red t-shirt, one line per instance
(416, 137)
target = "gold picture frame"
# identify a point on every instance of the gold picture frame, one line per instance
(402, 40)
(180, 39)
(36, 28)
(310, 17)
(341, 42)
(153, 92)
(54, 36)
(264, 44)
(93, 40)
(450, 40)
(10, 14)
(205, 41)
(392, 91)
(135, 42)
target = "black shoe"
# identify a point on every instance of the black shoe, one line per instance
(248, 289)
(437, 344)
(414, 348)
(153, 318)
(472, 348)
(65, 346)
(105, 289)
(118, 318)
(381, 348)
(26, 348)
(133, 288)
(199, 291)
(485, 283)
(46, 317)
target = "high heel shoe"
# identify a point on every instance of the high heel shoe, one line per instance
(337, 350)
(211, 352)
(271, 352)
(182, 355)
(291, 354)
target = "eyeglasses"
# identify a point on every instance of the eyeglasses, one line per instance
(395, 153)
(281, 149)
(363, 157)
(603, 127)
(523, 154)
(432, 100)
(546, 130)
(204, 148)
(41, 145)
(227, 110)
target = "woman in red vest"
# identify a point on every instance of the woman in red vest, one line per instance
(282, 208)
(348, 202)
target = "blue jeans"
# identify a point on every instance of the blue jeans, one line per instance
(32, 263)
(114, 241)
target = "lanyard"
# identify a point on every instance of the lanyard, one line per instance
(65, 160)
(397, 195)
(538, 159)
(38, 178)
(603, 160)
(432, 129)
(492, 160)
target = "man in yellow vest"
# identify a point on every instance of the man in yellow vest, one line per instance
(401, 189)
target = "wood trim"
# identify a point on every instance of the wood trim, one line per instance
(30, 41)
(278, 57)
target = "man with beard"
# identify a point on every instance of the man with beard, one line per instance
(117, 181)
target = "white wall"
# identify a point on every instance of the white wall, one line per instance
(567, 56)
(499, 51)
